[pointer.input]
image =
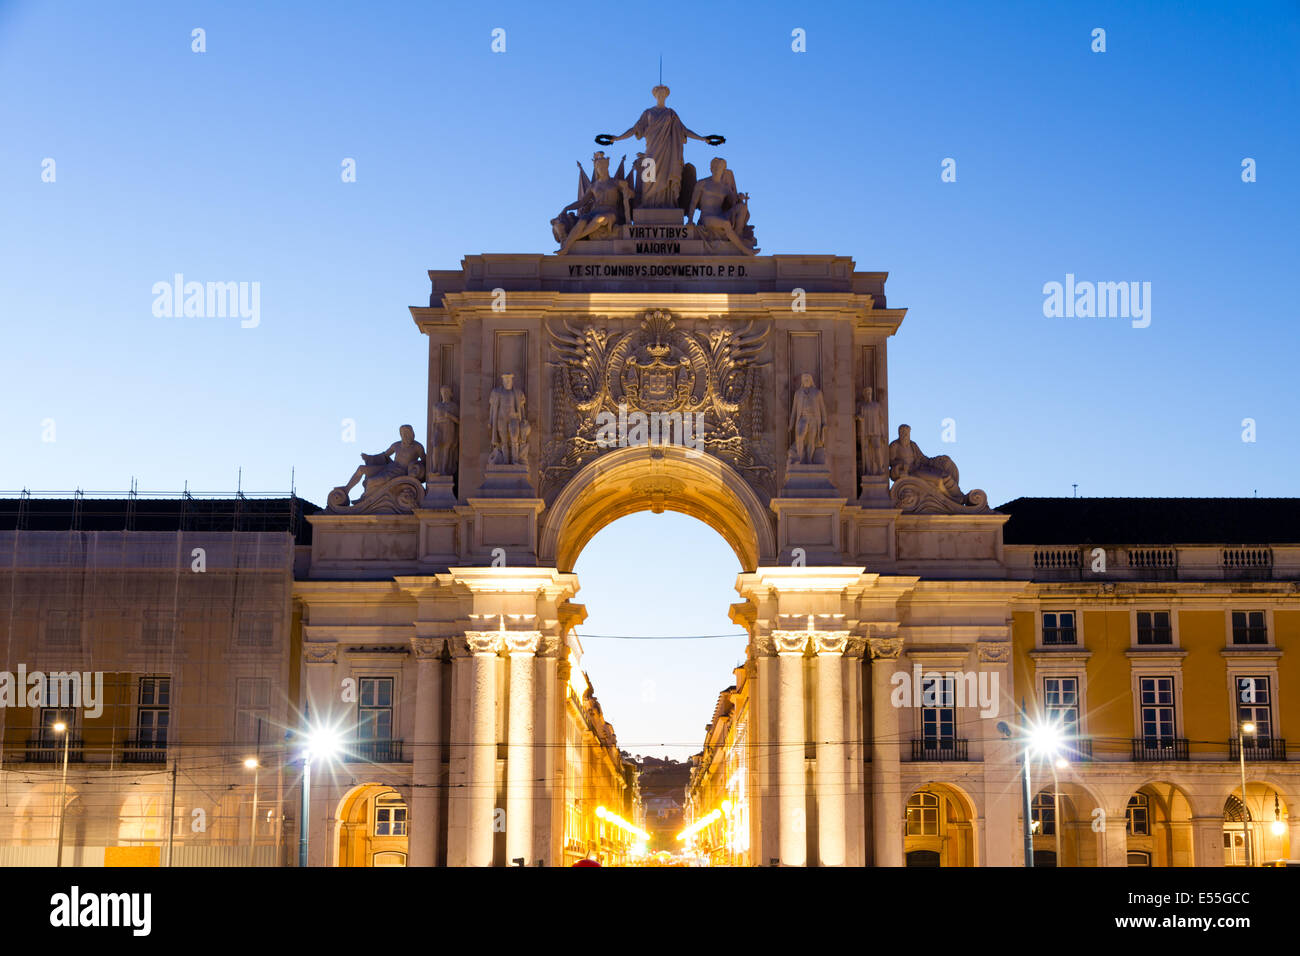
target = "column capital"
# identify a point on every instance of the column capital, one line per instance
(483, 643)
(426, 648)
(830, 642)
(320, 652)
(993, 652)
(789, 643)
(522, 643)
(884, 648)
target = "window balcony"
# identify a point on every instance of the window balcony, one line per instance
(1258, 748)
(41, 750)
(374, 751)
(939, 748)
(1159, 748)
(140, 750)
(1076, 749)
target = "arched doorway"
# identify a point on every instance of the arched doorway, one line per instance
(655, 587)
(940, 827)
(1069, 813)
(1158, 824)
(372, 827)
(1257, 831)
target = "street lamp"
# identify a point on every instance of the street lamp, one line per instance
(1044, 740)
(1059, 764)
(251, 763)
(60, 727)
(1242, 729)
(322, 742)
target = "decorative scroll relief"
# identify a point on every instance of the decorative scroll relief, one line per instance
(320, 653)
(994, 652)
(708, 381)
(829, 642)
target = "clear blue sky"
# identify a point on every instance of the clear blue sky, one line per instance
(224, 166)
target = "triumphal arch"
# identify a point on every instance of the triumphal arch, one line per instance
(655, 360)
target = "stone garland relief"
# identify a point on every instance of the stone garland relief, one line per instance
(710, 373)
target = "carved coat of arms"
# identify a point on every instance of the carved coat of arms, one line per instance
(711, 373)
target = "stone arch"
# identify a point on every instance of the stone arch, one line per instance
(1269, 835)
(1080, 842)
(657, 478)
(1169, 840)
(953, 841)
(357, 841)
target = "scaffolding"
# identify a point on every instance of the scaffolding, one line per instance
(160, 628)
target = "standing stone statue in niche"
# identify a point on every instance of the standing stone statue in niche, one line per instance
(392, 477)
(507, 425)
(446, 437)
(662, 166)
(597, 209)
(871, 434)
(723, 211)
(807, 424)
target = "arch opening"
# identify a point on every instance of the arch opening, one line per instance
(657, 478)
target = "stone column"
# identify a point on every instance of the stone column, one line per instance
(426, 761)
(790, 776)
(520, 784)
(320, 660)
(482, 783)
(886, 779)
(1115, 836)
(1000, 834)
(832, 775)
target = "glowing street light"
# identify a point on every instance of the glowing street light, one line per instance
(1244, 728)
(322, 743)
(252, 763)
(60, 727)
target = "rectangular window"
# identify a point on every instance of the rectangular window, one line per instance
(938, 715)
(1061, 703)
(256, 629)
(1138, 815)
(63, 629)
(157, 629)
(51, 716)
(1058, 627)
(1154, 628)
(375, 708)
(390, 816)
(1248, 627)
(1157, 711)
(154, 713)
(1254, 705)
(252, 704)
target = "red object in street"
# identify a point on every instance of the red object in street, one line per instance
(587, 862)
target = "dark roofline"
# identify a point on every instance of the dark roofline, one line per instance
(159, 512)
(1152, 521)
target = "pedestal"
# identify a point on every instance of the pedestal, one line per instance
(506, 481)
(438, 492)
(875, 492)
